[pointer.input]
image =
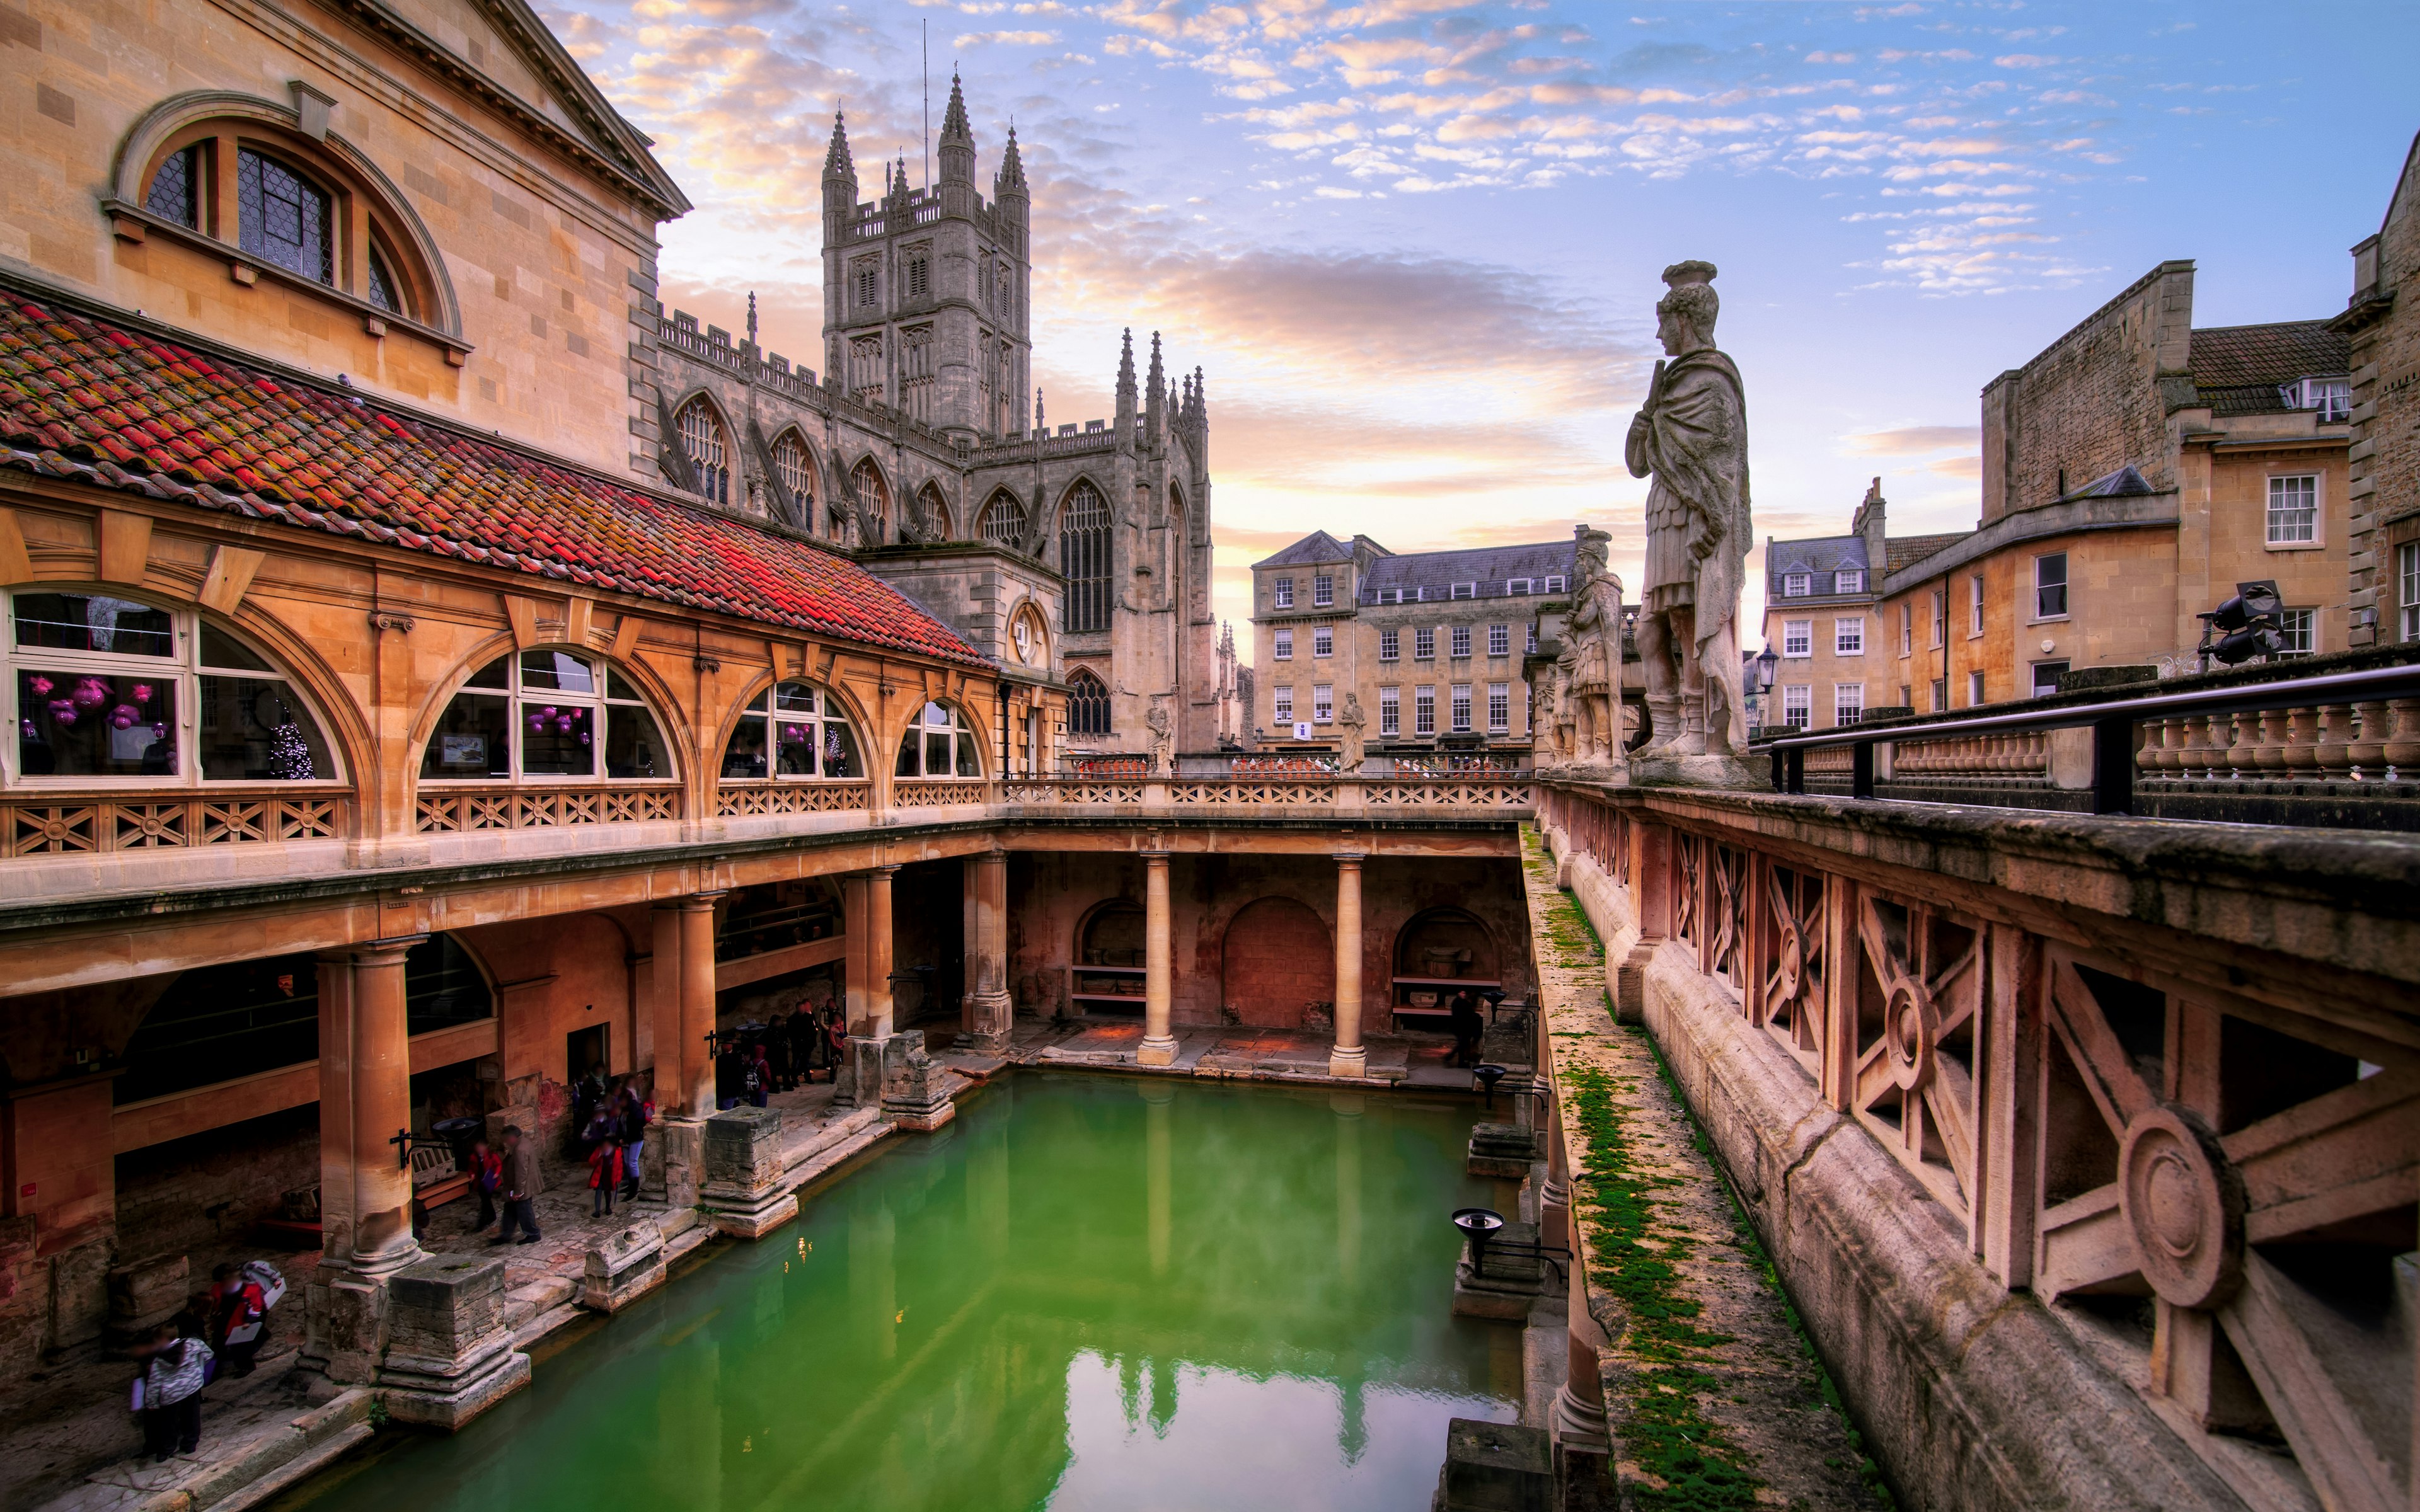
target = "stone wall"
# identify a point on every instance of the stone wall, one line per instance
(2384, 322)
(2090, 403)
(202, 1192)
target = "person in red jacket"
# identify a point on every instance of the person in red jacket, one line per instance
(604, 1168)
(238, 1318)
(488, 1179)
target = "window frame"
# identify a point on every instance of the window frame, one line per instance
(1799, 634)
(2315, 511)
(1390, 644)
(185, 667)
(2064, 586)
(2305, 620)
(1797, 586)
(1281, 645)
(1083, 529)
(1281, 593)
(1848, 636)
(1323, 640)
(1499, 640)
(1458, 708)
(1975, 688)
(1424, 642)
(1848, 699)
(759, 707)
(1323, 590)
(1499, 708)
(1282, 705)
(1390, 711)
(1424, 709)
(513, 693)
(963, 735)
(2407, 572)
(1974, 608)
(1086, 695)
(1798, 699)
(2055, 665)
(1849, 581)
(713, 475)
(1458, 642)
(1322, 703)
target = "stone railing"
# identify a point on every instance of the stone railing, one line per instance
(2334, 741)
(448, 810)
(2121, 1143)
(2001, 758)
(791, 797)
(60, 824)
(1495, 796)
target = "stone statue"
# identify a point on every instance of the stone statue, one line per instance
(1593, 642)
(1542, 735)
(1350, 723)
(1692, 436)
(1163, 738)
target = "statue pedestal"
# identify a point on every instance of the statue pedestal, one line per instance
(1648, 770)
(1611, 773)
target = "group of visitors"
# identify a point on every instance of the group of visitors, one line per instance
(759, 1060)
(506, 1179)
(187, 1352)
(615, 1138)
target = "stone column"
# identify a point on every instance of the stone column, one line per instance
(364, 1102)
(866, 907)
(989, 1009)
(879, 1003)
(1159, 1044)
(671, 1035)
(1349, 1057)
(1579, 1422)
(696, 913)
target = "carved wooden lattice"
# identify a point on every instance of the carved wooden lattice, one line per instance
(1792, 964)
(1727, 916)
(451, 811)
(1253, 793)
(1101, 792)
(930, 794)
(60, 828)
(1688, 868)
(1920, 990)
(792, 798)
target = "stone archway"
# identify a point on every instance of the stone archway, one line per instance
(1278, 959)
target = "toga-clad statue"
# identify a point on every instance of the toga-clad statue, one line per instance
(1590, 667)
(1350, 725)
(1692, 436)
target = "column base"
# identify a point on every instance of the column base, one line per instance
(744, 1195)
(913, 1091)
(449, 1355)
(989, 1018)
(859, 1081)
(1349, 1063)
(622, 1268)
(1160, 1051)
(1579, 1424)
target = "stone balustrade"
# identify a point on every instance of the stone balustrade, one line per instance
(2338, 742)
(2087, 1148)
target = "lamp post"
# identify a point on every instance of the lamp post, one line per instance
(1767, 663)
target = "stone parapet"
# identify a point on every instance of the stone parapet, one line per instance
(449, 1356)
(623, 1267)
(744, 1195)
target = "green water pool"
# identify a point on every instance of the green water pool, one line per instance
(1087, 1293)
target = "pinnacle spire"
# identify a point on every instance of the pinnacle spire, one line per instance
(953, 121)
(1158, 375)
(1011, 167)
(837, 162)
(1126, 365)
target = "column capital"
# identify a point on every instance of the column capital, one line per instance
(1156, 856)
(1351, 858)
(372, 951)
(887, 870)
(696, 903)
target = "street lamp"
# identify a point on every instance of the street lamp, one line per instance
(1767, 665)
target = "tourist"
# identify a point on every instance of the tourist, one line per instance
(522, 1182)
(239, 1316)
(777, 1053)
(806, 1042)
(1468, 1028)
(835, 1037)
(488, 1179)
(757, 1080)
(175, 1366)
(604, 1169)
(638, 1111)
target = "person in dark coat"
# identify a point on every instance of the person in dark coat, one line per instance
(806, 1043)
(1468, 1028)
(522, 1183)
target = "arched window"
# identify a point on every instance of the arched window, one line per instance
(1088, 704)
(1002, 523)
(1084, 558)
(873, 499)
(791, 732)
(702, 443)
(933, 513)
(283, 217)
(108, 688)
(796, 467)
(939, 743)
(538, 714)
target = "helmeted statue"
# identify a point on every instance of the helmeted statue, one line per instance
(1590, 698)
(1691, 434)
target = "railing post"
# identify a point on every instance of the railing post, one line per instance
(1795, 778)
(1780, 771)
(1861, 769)
(2112, 765)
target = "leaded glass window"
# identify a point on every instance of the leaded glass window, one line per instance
(1084, 558)
(702, 443)
(283, 218)
(172, 196)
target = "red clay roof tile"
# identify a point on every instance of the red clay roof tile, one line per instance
(82, 398)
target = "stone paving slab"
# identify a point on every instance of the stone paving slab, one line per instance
(1713, 1397)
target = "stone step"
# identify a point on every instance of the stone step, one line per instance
(538, 1327)
(250, 1451)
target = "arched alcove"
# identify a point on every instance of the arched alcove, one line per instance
(1277, 962)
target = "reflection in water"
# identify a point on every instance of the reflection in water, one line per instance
(1074, 1297)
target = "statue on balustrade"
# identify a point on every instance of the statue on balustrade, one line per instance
(1350, 724)
(1163, 738)
(1588, 668)
(1691, 435)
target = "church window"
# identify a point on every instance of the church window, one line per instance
(1390, 711)
(919, 276)
(1323, 591)
(796, 469)
(873, 498)
(865, 368)
(939, 743)
(171, 194)
(863, 276)
(1088, 704)
(1003, 291)
(916, 372)
(789, 731)
(283, 217)
(702, 443)
(1322, 703)
(1284, 650)
(1499, 707)
(1003, 519)
(1390, 644)
(1461, 643)
(113, 687)
(1424, 643)
(1084, 558)
(1461, 709)
(1424, 710)
(381, 290)
(545, 714)
(932, 513)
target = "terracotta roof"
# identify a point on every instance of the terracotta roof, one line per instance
(124, 410)
(1905, 551)
(2239, 369)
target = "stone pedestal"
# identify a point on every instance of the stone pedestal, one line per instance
(744, 1195)
(680, 1145)
(1648, 769)
(624, 1266)
(914, 1094)
(991, 1019)
(449, 1356)
(1510, 1280)
(345, 1325)
(1494, 1467)
(858, 1082)
(1505, 1150)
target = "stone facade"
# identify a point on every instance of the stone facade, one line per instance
(2384, 327)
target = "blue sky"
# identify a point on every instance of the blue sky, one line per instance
(1414, 245)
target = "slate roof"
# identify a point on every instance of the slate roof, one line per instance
(2126, 483)
(2238, 369)
(1489, 566)
(1822, 558)
(84, 399)
(1318, 547)
(1905, 550)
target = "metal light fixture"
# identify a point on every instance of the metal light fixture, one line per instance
(1479, 1226)
(2243, 626)
(1487, 1073)
(1766, 664)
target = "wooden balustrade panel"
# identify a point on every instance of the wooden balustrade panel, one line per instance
(62, 824)
(792, 798)
(452, 810)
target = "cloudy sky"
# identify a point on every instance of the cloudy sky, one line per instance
(1414, 244)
